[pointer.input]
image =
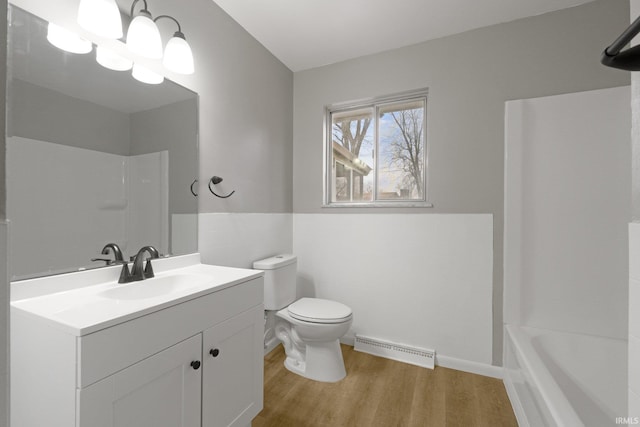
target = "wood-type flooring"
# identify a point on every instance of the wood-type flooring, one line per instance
(379, 392)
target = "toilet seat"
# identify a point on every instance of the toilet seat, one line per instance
(317, 310)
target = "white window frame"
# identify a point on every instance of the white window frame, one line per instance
(375, 104)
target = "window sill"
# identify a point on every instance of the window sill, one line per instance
(415, 204)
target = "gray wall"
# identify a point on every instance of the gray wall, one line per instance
(3, 78)
(150, 134)
(4, 281)
(40, 113)
(246, 115)
(469, 76)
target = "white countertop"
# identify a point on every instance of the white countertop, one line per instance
(84, 302)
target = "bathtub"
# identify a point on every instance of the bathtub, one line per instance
(564, 379)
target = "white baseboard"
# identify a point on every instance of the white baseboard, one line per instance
(270, 346)
(401, 352)
(453, 363)
(348, 340)
(469, 366)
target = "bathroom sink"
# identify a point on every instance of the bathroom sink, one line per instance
(85, 302)
(154, 287)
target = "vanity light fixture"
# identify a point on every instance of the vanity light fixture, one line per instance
(67, 40)
(111, 60)
(177, 55)
(100, 17)
(143, 36)
(145, 75)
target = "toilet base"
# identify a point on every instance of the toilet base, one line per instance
(323, 362)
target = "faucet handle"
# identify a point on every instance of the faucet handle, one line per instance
(106, 260)
(148, 270)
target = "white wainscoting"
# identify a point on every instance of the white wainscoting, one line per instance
(634, 319)
(419, 279)
(4, 328)
(238, 239)
(184, 233)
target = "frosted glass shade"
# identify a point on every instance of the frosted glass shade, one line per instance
(101, 17)
(66, 40)
(145, 75)
(143, 37)
(111, 60)
(178, 56)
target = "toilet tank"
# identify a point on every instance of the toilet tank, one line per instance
(279, 280)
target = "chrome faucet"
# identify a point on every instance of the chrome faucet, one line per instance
(137, 271)
(117, 254)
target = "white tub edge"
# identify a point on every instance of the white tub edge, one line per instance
(556, 402)
(514, 399)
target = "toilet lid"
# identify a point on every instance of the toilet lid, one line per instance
(318, 310)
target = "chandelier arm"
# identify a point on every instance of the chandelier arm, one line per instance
(169, 17)
(133, 5)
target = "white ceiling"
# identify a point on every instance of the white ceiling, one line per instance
(305, 34)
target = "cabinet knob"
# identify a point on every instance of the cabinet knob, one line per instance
(214, 352)
(195, 364)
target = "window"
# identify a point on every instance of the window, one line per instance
(375, 152)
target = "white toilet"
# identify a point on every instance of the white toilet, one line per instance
(309, 328)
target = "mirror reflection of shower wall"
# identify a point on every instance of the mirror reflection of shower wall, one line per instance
(93, 157)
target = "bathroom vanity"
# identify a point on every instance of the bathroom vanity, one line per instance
(182, 349)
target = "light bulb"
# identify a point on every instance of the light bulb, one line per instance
(101, 17)
(178, 56)
(143, 36)
(111, 60)
(145, 75)
(67, 40)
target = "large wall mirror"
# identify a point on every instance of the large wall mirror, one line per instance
(93, 157)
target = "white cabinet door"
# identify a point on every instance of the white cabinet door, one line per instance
(232, 378)
(160, 391)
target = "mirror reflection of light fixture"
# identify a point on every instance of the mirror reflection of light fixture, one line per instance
(143, 36)
(145, 75)
(67, 40)
(100, 17)
(111, 60)
(177, 55)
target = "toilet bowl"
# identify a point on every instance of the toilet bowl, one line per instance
(309, 328)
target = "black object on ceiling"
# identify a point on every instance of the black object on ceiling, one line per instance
(629, 59)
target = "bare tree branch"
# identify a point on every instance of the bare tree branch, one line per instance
(407, 147)
(352, 141)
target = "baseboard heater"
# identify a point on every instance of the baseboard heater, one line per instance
(400, 352)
